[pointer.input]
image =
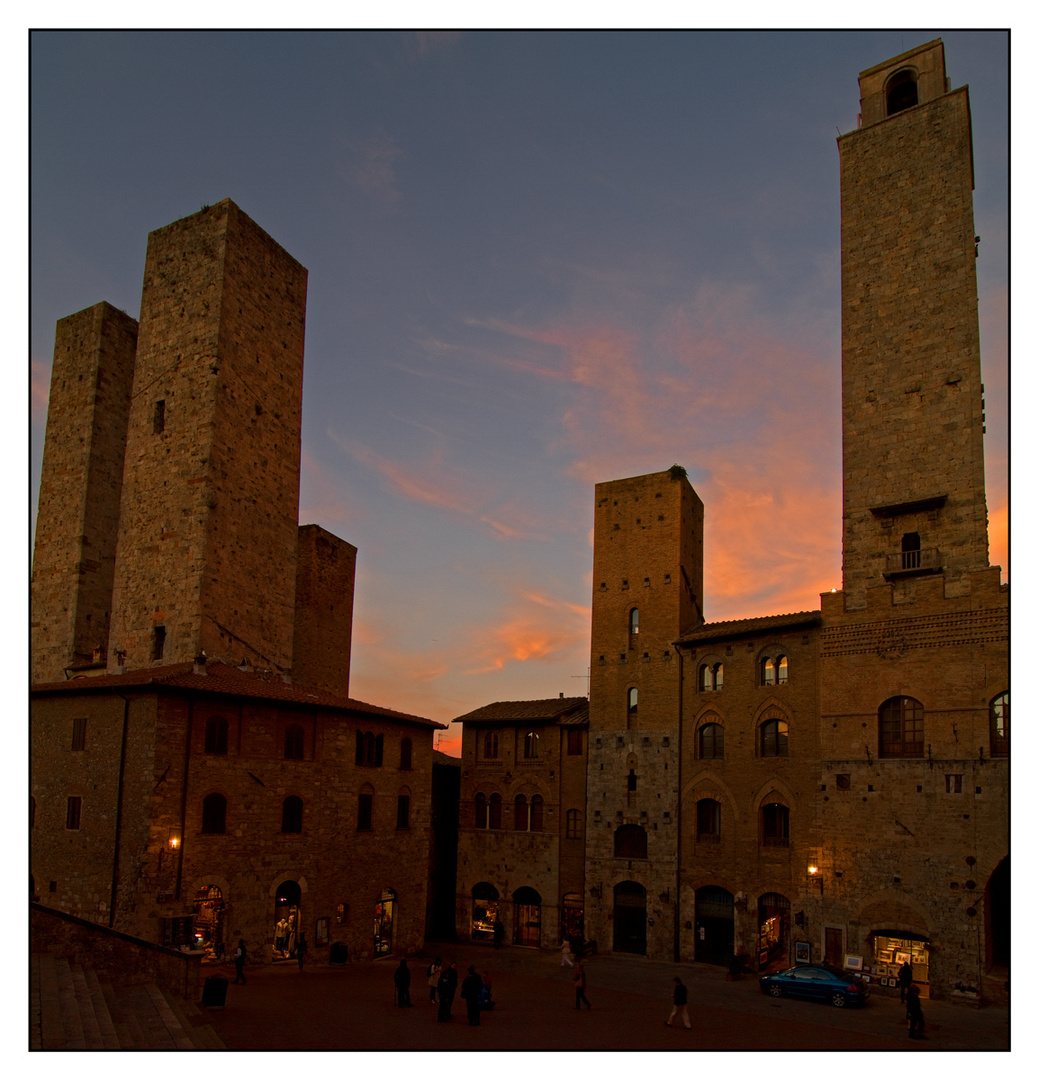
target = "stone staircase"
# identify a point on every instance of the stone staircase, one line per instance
(71, 1008)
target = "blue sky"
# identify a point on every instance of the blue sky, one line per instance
(536, 261)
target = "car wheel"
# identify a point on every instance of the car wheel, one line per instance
(775, 990)
(838, 999)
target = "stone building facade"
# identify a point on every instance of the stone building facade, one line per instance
(522, 821)
(198, 767)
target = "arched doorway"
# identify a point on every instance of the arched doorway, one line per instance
(209, 921)
(572, 917)
(773, 929)
(997, 917)
(384, 913)
(485, 911)
(714, 925)
(526, 906)
(286, 919)
(629, 918)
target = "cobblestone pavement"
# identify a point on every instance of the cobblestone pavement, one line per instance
(351, 1007)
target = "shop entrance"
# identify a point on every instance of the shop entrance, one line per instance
(714, 925)
(526, 903)
(773, 929)
(997, 917)
(209, 921)
(384, 913)
(629, 918)
(572, 928)
(286, 919)
(485, 911)
(893, 948)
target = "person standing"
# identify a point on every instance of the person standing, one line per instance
(402, 984)
(681, 1001)
(432, 978)
(568, 959)
(446, 986)
(499, 932)
(301, 949)
(486, 1001)
(579, 985)
(239, 963)
(905, 978)
(281, 935)
(472, 987)
(914, 1013)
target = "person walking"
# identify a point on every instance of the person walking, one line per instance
(239, 963)
(568, 958)
(432, 978)
(580, 982)
(486, 1000)
(472, 987)
(914, 1014)
(301, 949)
(905, 979)
(681, 1001)
(446, 985)
(402, 984)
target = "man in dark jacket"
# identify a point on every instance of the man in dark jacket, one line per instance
(914, 1014)
(402, 982)
(472, 987)
(681, 1000)
(446, 991)
(905, 979)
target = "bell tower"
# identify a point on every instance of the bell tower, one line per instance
(914, 482)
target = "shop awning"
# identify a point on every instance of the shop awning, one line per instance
(906, 935)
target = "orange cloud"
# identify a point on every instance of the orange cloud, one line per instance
(536, 628)
(321, 495)
(39, 389)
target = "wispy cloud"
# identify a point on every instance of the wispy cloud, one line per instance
(372, 168)
(321, 496)
(39, 389)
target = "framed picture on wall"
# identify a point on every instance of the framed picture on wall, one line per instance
(802, 952)
(853, 963)
(885, 956)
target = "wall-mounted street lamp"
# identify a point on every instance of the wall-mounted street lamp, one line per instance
(172, 845)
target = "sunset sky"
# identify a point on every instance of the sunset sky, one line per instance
(536, 261)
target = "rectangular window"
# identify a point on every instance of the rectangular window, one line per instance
(403, 811)
(158, 642)
(572, 825)
(573, 741)
(953, 783)
(364, 811)
(79, 734)
(72, 812)
(159, 417)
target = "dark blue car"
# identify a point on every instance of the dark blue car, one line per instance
(838, 988)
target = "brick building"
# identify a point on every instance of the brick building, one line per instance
(829, 784)
(196, 757)
(522, 821)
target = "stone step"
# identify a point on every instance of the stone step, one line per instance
(71, 1024)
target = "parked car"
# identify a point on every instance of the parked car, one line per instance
(837, 987)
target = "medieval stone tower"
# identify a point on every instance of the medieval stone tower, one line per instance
(647, 590)
(169, 501)
(914, 483)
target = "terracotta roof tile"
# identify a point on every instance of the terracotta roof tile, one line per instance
(572, 710)
(734, 627)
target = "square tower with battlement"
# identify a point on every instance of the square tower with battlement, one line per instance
(914, 481)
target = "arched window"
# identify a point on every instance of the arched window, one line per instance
(490, 745)
(774, 670)
(633, 621)
(405, 753)
(214, 813)
(708, 821)
(294, 742)
(573, 824)
(901, 724)
(364, 808)
(537, 814)
(520, 819)
(216, 735)
(480, 808)
(712, 741)
(775, 825)
(530, 744)
(292, 814)
(711, 675)
(494, 812)
(629, 842)
(404, 810)
(774, 738)
(901, 92)
(369, 748)
(999, 725)
(633, 704)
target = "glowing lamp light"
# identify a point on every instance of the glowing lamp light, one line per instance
(174, 840)
(813, 870)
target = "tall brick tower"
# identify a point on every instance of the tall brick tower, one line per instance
(74, 556)
(914, 484)
(646, 592)
(207, 542)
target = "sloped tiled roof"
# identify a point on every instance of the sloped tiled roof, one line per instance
(766, 623)
(220, 678)
(573, 710)
(440, 758)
